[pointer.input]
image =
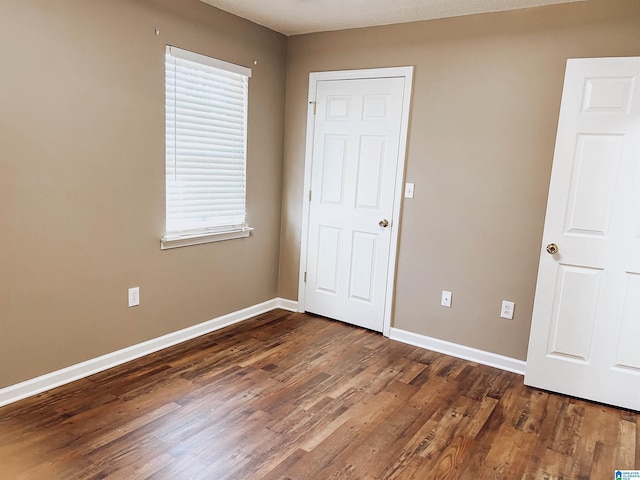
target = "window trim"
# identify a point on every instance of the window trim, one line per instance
(210, 61)
(176, 239)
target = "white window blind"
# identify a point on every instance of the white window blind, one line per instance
(206, 145)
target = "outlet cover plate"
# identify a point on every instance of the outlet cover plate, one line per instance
(134, 296)
(446, 299)
(507, 309)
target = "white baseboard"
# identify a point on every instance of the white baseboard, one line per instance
(66, 375)
(459, 351)
(284, 304)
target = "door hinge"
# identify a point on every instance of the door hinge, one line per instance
(315, 105)
(305, 277)
(309, 195)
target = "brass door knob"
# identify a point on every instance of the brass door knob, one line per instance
(552, 248)
(384, 223)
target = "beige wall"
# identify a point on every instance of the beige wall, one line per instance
(82, 178)
(486, 98)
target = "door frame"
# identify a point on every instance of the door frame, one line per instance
(314, 77)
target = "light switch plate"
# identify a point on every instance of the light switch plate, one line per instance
(409, 189)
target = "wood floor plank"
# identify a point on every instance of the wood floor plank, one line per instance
(585, 449)
(603, 461)
(626, 442)
(296, 396)
(452, 457)
(550, 411)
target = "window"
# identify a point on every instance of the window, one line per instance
(206, 149)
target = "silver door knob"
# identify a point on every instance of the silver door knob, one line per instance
(384, 223)
(552, 248)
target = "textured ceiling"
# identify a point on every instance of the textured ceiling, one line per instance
(293, 17)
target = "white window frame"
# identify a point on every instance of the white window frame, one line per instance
(211, 232)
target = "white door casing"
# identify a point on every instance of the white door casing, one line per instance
(585, 332)
(356, 143)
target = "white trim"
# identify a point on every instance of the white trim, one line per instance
(175, 241)
(314, 78)
(66, 375)
(290, 305)
(205, 60)
(459, 351)
(397, 204)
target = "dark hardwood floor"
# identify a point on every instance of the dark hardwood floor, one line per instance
(294, 396)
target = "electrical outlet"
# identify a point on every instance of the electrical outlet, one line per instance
(134, 296)
(446, 299)
(507, 310)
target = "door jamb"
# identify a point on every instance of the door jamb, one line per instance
(314, 77)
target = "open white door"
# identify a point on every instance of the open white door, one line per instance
(585, 333)
(356, 155)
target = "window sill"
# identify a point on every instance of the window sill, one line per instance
(177, 241)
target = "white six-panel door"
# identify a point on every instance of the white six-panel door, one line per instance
(356, 145)
(585, 334)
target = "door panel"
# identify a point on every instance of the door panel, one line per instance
(586, 319)
(608, 94)
(574, 313)
(356, 144)
(338, 108)
(363, 262)
(335, 153)
(370, 167)
(329, 241)
(596, 169)
(375, 107)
